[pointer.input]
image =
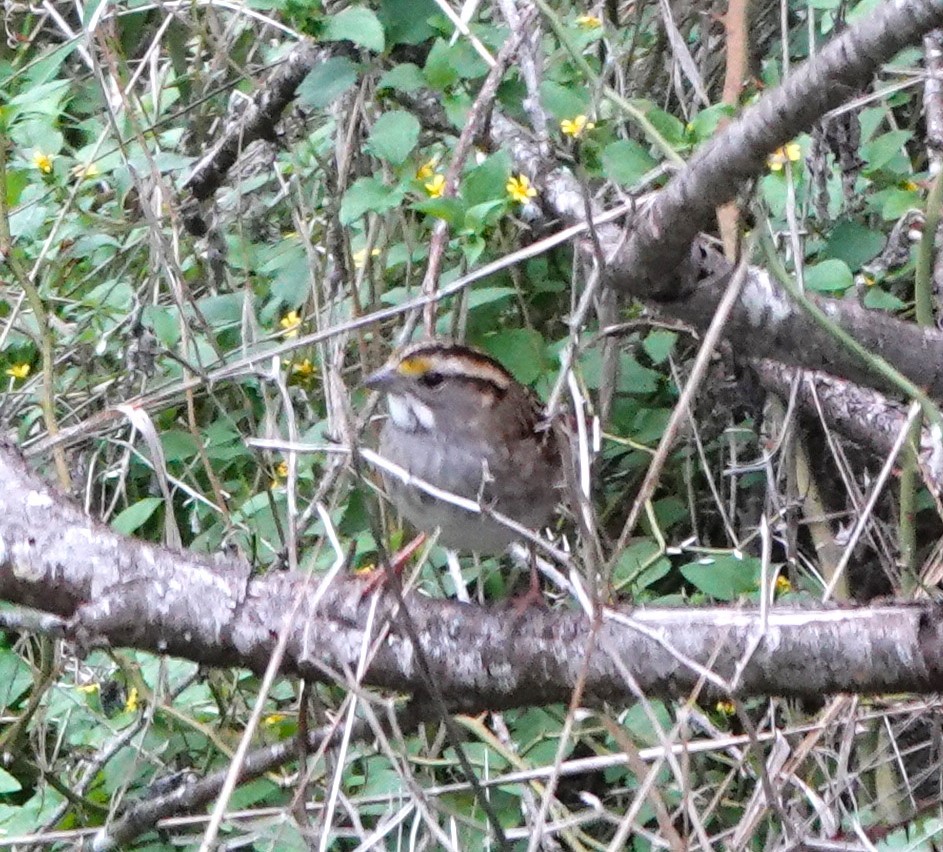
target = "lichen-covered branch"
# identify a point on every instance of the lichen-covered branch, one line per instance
(128, 593)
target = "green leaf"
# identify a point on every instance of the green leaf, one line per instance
(480, 216)
(26, 222)
(253, 793)
(45, 99)
(15, 679)
(290, 282)
(634, 378)
(451, 210)
(110, 294)
(487, 181)
(647, 724)
(136, 515)
(542, 278)
(880, 151)
(706, 121)
(90, 8)
(457, 105)
(368, 194)
(407, 21)
(8, 784)
(164, 322)
(773, 187)
(651, 575)
(563, 101)
(327, 81)
(520, 350)
(168, 161)
(829, 276)
(853, 243)
(879, 299)
(179, 446)
(626, 161)
(658, 344)
(356, 24)
(45, 67)
(403, 78)
(481, 296)
(638, 559)
(863, 9)
(473, 247)
(871, 118)
(222, 311)
(223, 443)
(447, 63)
(669, 511)
(894, 203)
(671, 128)
(393, 136)
(25, 817)
(438, 69)
(398, 295)
(723, 577)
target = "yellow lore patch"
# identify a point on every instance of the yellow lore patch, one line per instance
(414, 366)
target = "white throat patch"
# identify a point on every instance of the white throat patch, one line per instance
(409, 413)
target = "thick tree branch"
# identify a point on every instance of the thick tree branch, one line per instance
(128, 593)
(861, 414)
(765, 322)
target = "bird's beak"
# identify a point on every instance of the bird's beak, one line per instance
(381, 379)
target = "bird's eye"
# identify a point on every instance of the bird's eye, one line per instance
(431, 379)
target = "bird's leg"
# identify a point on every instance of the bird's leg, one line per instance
(379, 577)
(533, 596)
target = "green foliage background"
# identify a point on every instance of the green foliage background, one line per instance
(106, 299)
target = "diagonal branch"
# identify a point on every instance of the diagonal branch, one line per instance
(738, 153)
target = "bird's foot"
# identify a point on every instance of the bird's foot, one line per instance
(533, 597)
(378, 578)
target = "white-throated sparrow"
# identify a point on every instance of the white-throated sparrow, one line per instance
(461, 422)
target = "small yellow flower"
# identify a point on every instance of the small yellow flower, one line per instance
(436, 186)
(132, 702)
(725, 708)
(42, 161)
(787, 154)
(360, 257)
(274, 719)
(576, 127)
(910, 186)
(291, 323)
(18, 371)
(88, 688)
(85, 171)
(303, 370)
(519, 189)
(281, 474)
(783, 586)
(588, 22)
(426, 170)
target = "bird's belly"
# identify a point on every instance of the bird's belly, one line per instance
(465, 472)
